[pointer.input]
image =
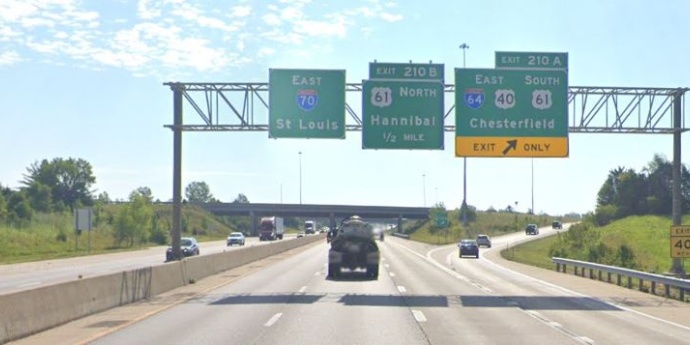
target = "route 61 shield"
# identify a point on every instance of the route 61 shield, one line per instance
(474, 98)
(307, 99)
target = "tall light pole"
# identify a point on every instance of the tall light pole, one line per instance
(464, 47)
(424, 187)
(532, 185)
(300, 177)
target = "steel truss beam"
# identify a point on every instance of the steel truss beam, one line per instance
(244, 107)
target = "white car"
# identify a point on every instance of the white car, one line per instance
(236, 238)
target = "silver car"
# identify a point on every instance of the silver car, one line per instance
(484, 240)
(236, 238)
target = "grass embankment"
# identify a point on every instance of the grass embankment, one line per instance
(639, 242)
(489, 223)
(52, 236)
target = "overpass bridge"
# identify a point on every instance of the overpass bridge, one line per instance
(333, 212)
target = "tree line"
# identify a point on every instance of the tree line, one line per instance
(627, 192)
(62, 185)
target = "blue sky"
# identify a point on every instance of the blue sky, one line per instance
(84, 79)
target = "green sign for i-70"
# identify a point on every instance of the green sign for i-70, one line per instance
(306, 103)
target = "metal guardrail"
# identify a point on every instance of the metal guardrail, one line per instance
(400, 234)
(681, 285)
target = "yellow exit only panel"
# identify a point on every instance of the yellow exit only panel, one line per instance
(511, 147)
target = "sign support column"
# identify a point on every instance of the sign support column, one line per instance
(677, 265)
(463, 207)
(176, 231)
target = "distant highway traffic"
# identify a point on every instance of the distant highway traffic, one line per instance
(24, 276)
(424, 295)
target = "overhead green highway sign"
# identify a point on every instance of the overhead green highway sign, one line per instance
(306, 103)
(511, 113)
(532, 61)
(401, 114)
(407, 71)
(402, 106)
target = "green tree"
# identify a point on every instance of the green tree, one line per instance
(608, 193)
(198, 191)
(103, 198)
(40, 196)
(660, 185)
(145, 192)
(69, 180)
(19, 207)
(605, 214)
(633, 193)
(3, 208)
(133, 220)
(241, 199)
(158, 234)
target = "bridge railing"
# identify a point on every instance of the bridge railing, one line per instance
(646, 282)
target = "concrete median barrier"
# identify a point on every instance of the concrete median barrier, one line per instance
(28, 312)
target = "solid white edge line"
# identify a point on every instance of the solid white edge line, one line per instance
(29, 284)
(433, 262)
(463, 278)
(273, 319)
(586, 296)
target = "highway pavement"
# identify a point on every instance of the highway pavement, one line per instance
(424, 295)
(29, 275)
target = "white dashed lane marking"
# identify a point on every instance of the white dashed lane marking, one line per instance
(273, 320)
(419, 316)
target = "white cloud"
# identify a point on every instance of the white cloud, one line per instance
(30, 22)
(147, 11)
(7, 33)
(291, 13)
(317, 28)
(241, 11)
(272, 19)
(196, 15)
(13, 10)
(266, 51)
(178, 37)
(391, 17)
(9, 58)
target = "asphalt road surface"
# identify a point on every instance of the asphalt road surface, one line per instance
(24, 276)
(424, 295)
